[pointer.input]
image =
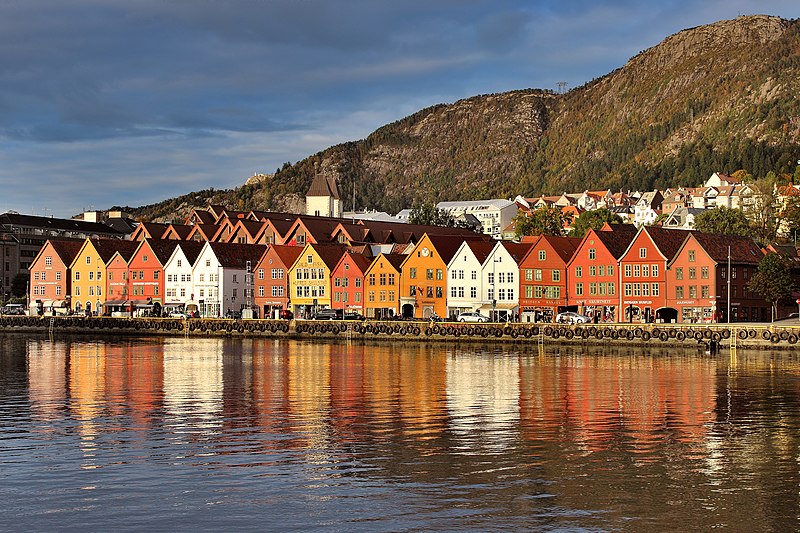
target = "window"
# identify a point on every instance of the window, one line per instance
(439, 274)
(542, 255)
(412, 273)
(309, 259)
(692, 273)
(501, 294)
(490, 278)
(654, 270)
(260, 290)
(277, 273)
(208, 263)
(234, 279)
(578, 272)
(260, 273)
(556, 275)
(77, 276)
(391, 279)
(473, 292)
(679, 273)
(155, 274)
(537, 274)
(645, 271)
(692, 291)
(692, 256)
(610, 270)
(579, 289)
(592, 253)
(429, 273)
(704, 272)
(144, 259)
(179, 262)
(654, 290)
(371, 279)
(628, 271)
(48, 261)
(601, 270)
(501, 277)
(642, 253)
(704, 291)
(528, 291)
(58, 276)
(637, 271)
(382, 278)
(358, 282)
(88, 260)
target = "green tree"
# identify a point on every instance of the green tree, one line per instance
(773, 280)
(593, 220)
(724, 221)
(544, 221)
(430, 215)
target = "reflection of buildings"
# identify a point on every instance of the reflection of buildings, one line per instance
(47, 380)
(483, 400)
(193, 384)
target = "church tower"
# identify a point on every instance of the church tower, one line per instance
(322, 199)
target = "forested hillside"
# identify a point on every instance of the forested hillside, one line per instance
(720, 97)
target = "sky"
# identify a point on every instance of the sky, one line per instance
(110, 102)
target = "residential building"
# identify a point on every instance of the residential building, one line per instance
(493, 215)
(178, 285)
(50, 283)
(500, 280)
(465, 277)
(222, 277)
(593, 271)
(543, 276)
(643, 268)
(310, 278)
(146, 267)
(647, 208)
(700, 274)
(272, 279)
(382, 286)
(347, 286)
(89, 272)
(681, 218)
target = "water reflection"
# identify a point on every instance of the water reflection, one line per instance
(398, 437)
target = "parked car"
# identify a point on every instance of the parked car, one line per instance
(472, 317)
(286, 314)
(178, 314)
(570, 317)
(13, 309)
(353, 316)
(327, 314)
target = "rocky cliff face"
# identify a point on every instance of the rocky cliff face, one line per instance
(713, 98)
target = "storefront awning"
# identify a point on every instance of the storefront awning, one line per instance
(500, 306)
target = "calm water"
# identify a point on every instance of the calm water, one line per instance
(186, 434)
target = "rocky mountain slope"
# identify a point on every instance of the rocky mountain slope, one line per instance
(720, 97)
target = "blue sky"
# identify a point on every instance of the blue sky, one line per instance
(105, 102)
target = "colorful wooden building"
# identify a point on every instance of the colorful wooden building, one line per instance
(272, 279)
(347, 283)
(50, 281)
(543, 278)
(310, 278)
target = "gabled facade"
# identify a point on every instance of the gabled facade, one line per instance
(423, 280)
(178, 286)
(149, 230)
(543, 277)
(146, 268)
(310, 278)
(272, 279)
(593, 271)
(698, 278)
(323, 198)
(89, 272)
(222, 278)
(348, 283)
(50, 282)
(643, 273)
(382, 286)
(500, 280)
(465, 277)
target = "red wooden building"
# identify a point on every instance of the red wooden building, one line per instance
(699, 276)
(347, 280)
(593, 271)
(50, 282)
(271, 282)
(643, 276)
(543, 290)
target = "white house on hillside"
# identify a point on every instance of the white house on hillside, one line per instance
(494, 215)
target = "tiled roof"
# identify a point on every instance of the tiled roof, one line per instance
(162, 248)
(231, 255)
(67, 249)
(362, 262)
(668, 241)
(329, 253)
(181, 230)
(481, 249)
(323, 186)
(205, 217)
(106, 248)
(742, 249)
(618, 238)
(191, 250)
(154, 230)
(287, 254)
(447, 246)
(564, 246)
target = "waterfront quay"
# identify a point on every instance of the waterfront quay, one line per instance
(709, 336)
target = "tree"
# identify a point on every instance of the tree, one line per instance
(430, 215)
(761, 212)
(773, 280)
(544, 221)
(593, 220)
(790, 216)
(724, 221)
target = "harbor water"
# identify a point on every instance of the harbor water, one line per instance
(216, 434)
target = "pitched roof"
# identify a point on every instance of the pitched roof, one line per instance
(106, 248)
(617, 238)
(153, 230)
(182, 231)
(232, 255)
(362, 262)
(329, 253)
(668, 241)
(447, 246)
(191, 250)
(742, 249)
(481, 249)
(162, 248)
(287, 254)
(564, 246)
(61, 224)
(66, 249)
(323, 186)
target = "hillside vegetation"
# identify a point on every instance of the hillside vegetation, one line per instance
(720, 97)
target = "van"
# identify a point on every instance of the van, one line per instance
(13, 309)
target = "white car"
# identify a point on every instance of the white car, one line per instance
(178, 314)
(472, 317)
(569, 317)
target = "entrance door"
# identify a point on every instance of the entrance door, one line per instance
(408, 311)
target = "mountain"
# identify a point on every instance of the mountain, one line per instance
(719, 97)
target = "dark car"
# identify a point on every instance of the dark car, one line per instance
(327, 314)
(353, 316)
(286, 314)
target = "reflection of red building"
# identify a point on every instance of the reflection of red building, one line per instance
(543, 289)
(271, 279)
(347, 282)
(592, 273)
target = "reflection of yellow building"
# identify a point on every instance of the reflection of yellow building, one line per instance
(47, 379)
(309, 392)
